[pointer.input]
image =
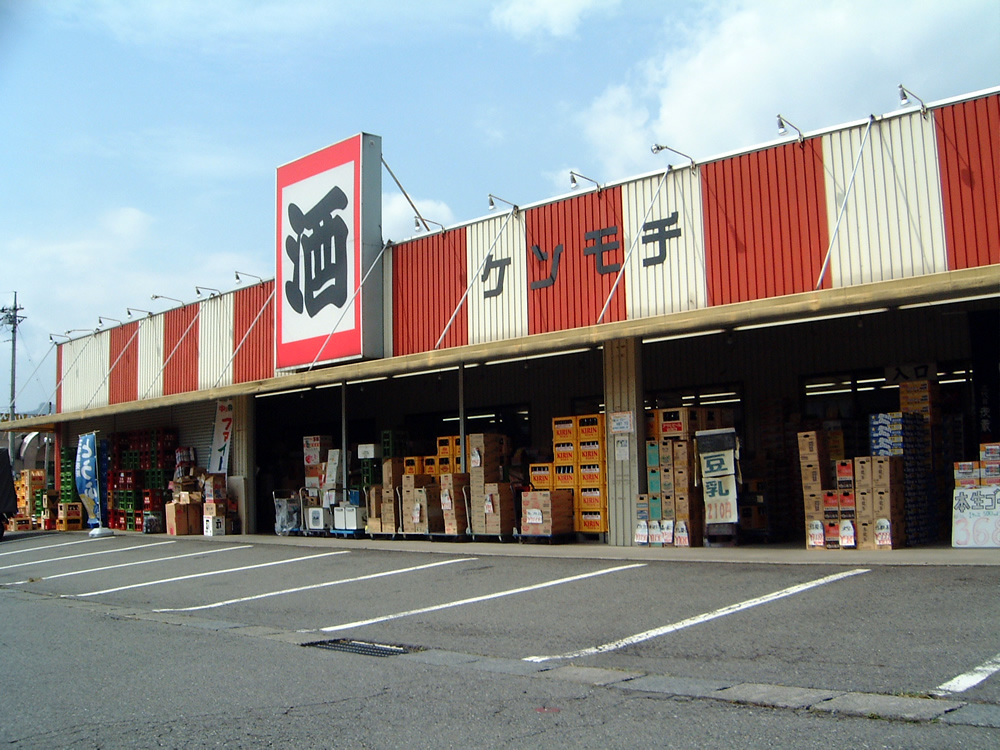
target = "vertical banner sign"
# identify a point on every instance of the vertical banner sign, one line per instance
(87, 480)
(328, 237)
(222, 437)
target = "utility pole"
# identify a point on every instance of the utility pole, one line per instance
(9, 317)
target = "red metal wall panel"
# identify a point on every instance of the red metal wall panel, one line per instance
(969, 154)
(765, 223)
(123, 381)
(180, 350)
(254, 359)
(429, 277)
(584, 235)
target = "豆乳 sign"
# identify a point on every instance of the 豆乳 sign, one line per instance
(976, 517)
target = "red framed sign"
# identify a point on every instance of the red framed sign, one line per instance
(328, 234)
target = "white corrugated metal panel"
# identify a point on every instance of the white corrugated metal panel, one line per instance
(151, 357)
(497, 313)
(215, 342)
(666, 270)
(195, 425)
(893, 224)
(85, 372)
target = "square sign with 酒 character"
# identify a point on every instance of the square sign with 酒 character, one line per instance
(329, 220)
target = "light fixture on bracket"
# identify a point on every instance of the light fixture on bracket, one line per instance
(421, 226)
(163, 296)
(211, 292)
(102, 318)
(904, 99)
(239, 280)
(76, 330)
(493, 205)
(658, 147)
(130, 310)
(573, 184)
(60, 335)
(784, 124)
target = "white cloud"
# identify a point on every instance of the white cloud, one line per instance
(821, 64)
(560, 18)
(398, 216)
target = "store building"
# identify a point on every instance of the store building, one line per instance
(794, 283)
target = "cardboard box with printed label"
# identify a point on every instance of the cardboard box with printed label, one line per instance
(845, 474)
(547, 512)
(863, 473)
(681, 423)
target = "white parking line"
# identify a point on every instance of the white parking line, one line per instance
(47, 546)
(132, 564)
(297, 589)
(84, 554)
(475, 599)
(971, 678)
(698, 619)
(203, 575)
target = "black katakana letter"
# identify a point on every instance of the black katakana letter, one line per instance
(656, 231)
(600, 247)
(556, 253)
(501, 265)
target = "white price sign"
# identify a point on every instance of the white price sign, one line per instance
(720, 499)
(976, 517)
(533, 515)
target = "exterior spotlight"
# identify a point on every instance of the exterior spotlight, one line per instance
(101, 319)
(657, 148)
(784, 124)
(239, 280)
(52, 337)
(904, 99)
(130, 310)
(163, 296)
(502, 200)
(420, 223)
(573, 184)
(212, 292)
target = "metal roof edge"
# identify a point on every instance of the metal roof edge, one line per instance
(939, 287)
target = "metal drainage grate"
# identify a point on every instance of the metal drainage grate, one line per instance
(362, 647)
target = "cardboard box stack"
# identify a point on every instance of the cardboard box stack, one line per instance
(547, 513)
(907, 435)
(680, 500)
(982, 473)
(491, 500)
(392, 490)
(820, 510)
(454, 496)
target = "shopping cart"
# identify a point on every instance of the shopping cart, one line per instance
(288, 512)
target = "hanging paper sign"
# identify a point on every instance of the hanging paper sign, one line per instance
(87, 481)
(446, 499)
(667, 532)
(416, 513)
(533, 515)
(488, 505)
(222, 437)
(718, 463)
(641, 533)
(720, 499)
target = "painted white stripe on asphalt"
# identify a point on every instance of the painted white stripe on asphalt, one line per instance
(84, 554)
(297, 589)
(47, 546)
(698, 619)
(203, 574)
(475, 599)
(132, 564)
(971, 678)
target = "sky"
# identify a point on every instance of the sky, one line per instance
(139, 138)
